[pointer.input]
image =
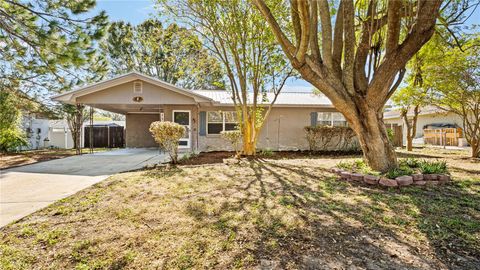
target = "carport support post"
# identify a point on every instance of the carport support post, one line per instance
(91, 130)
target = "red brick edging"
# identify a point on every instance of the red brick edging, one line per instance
(405, 180)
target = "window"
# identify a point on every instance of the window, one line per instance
(220, 121)
(331, 119)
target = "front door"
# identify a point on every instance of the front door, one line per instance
(183, 118)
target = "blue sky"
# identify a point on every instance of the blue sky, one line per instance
(136, 11)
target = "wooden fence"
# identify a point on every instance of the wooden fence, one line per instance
(105, 136)
(442, 136)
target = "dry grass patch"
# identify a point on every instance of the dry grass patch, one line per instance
(286, 213)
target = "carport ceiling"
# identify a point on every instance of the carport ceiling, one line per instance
(128, 108)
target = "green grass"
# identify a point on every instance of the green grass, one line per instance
(228, 217)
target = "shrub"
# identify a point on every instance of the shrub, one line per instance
(331, 138)
(234, 137)
(433, 167)
(12, 139)
(313, 135)
(167, 135)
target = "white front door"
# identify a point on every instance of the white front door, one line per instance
(183, 118)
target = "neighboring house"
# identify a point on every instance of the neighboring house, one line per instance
(205, 113)
(36, 130)
(46, 133)
(431, 118)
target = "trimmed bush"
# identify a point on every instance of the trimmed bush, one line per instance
(167, 135)
(234, 137)
(330, 138)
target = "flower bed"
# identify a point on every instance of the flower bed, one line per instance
(409, 172)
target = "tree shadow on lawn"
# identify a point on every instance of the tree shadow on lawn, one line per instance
(447, 216)
(266, 213)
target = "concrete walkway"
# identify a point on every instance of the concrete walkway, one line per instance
(26, 189)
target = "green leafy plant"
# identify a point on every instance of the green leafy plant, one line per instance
(11, 140)
(267, 152)
(433, 167)
(188, 156)
(400, 171)
(410, 162)
(358, 165)
(390, 134)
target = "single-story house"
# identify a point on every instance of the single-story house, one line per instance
(205, 113)
(430, 118)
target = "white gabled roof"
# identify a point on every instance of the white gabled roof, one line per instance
(284, 98)
(68, 97)
(426, 110)
(216, 97)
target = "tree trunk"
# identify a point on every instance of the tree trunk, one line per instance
(416, 111)
(475, 144)
(77, 131)
(372, 135)
(249, 142)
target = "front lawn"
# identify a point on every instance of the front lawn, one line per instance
(278, 214)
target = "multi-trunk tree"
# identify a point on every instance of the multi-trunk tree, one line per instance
(357, 55)
(236, 34)
(410, 101)
(412, 98)
(171, 53)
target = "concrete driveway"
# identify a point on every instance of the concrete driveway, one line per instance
(26, 189)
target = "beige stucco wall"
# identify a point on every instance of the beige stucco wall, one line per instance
(282, 131)
(137, 125)
(123, 94)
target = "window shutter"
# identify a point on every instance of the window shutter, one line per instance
(313, 118)
(203, 124)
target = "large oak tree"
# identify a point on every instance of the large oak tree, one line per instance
(357, 56)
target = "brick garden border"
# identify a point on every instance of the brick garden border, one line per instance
(405, 180)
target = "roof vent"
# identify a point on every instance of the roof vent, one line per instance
(137, 87)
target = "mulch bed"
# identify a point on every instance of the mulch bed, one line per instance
(219, 156)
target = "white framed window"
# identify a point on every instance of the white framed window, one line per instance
(218, 121)
(334, 119)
